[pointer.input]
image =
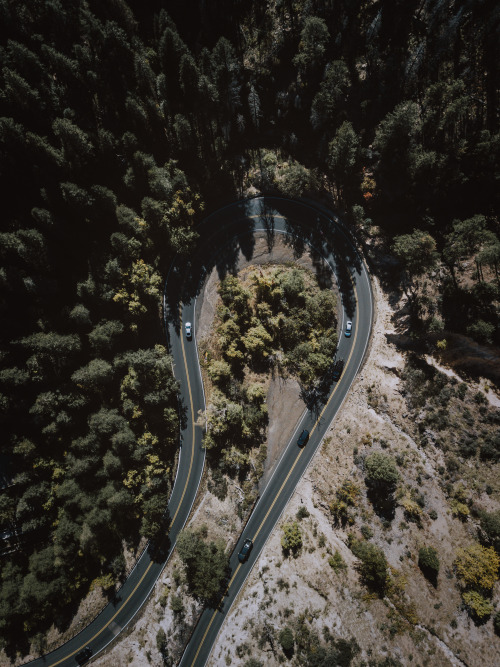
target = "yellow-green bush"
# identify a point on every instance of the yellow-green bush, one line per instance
(477, 567)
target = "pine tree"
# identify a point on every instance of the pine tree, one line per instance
(329, 102)
(254, 106)
(75, 143)
(343, 156)
(313, 43)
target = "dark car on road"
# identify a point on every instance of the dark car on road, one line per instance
(82, 657)
(245, 550)
(303, 438)
(337, 370)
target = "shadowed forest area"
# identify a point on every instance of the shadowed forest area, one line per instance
(121, 125)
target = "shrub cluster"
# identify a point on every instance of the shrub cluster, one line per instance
(373, 564)
(477, 570)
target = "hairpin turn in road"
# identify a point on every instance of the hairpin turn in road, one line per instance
(221, 236)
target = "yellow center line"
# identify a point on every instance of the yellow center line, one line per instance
(285, 481)
(346, 365)
(312, 431)
(178, 508)
(185, 489)
(215, 612)
(239, 564)
(110, 620)
(192, 419)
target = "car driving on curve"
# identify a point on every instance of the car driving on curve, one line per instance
(348, 329)
(303, 438)
(82, 657)
(337, 370)
(187, 327)
(245, 550)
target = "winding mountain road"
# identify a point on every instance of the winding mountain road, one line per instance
(223, 235)
(304, 224)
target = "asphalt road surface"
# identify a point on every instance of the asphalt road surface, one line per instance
(303, 224)
(223, 235)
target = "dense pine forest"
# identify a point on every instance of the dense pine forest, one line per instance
(122, 123)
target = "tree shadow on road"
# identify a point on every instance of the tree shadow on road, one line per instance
(317, 230)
